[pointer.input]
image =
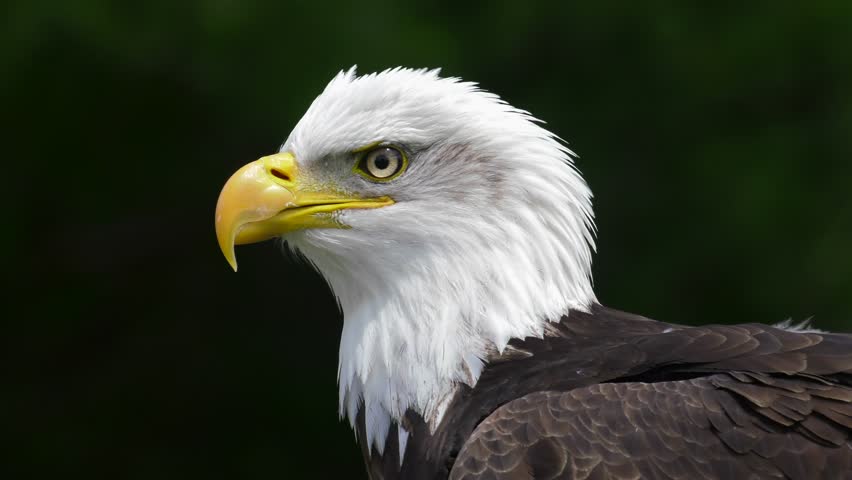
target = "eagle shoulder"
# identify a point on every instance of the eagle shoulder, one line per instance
(718, 426)
(744, 401)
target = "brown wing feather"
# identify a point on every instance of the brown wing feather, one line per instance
(701, 428)
(746, 401)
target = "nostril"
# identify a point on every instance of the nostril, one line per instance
(280, 174)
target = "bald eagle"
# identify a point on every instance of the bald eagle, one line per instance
(457, 237)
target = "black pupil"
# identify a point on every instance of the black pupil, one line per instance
(382, 161)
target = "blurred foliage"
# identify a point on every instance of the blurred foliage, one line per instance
(716, 137)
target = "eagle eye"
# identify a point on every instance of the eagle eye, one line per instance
(382, 163)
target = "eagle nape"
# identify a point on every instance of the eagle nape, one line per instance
(474, 346)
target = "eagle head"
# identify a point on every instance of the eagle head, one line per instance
(445, 220)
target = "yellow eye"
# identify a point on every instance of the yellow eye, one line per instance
(381, 163)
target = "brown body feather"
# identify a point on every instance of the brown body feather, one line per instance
(610, 395)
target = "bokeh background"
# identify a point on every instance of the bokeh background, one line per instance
(716, 138)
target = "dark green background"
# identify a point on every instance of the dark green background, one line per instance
(716, 139)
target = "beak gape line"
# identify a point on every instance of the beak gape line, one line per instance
(263, 200)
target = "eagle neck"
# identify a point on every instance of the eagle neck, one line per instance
(413, 334)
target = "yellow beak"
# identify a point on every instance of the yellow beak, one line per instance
(262, 200)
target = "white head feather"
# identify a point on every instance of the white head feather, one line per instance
(490, 237)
